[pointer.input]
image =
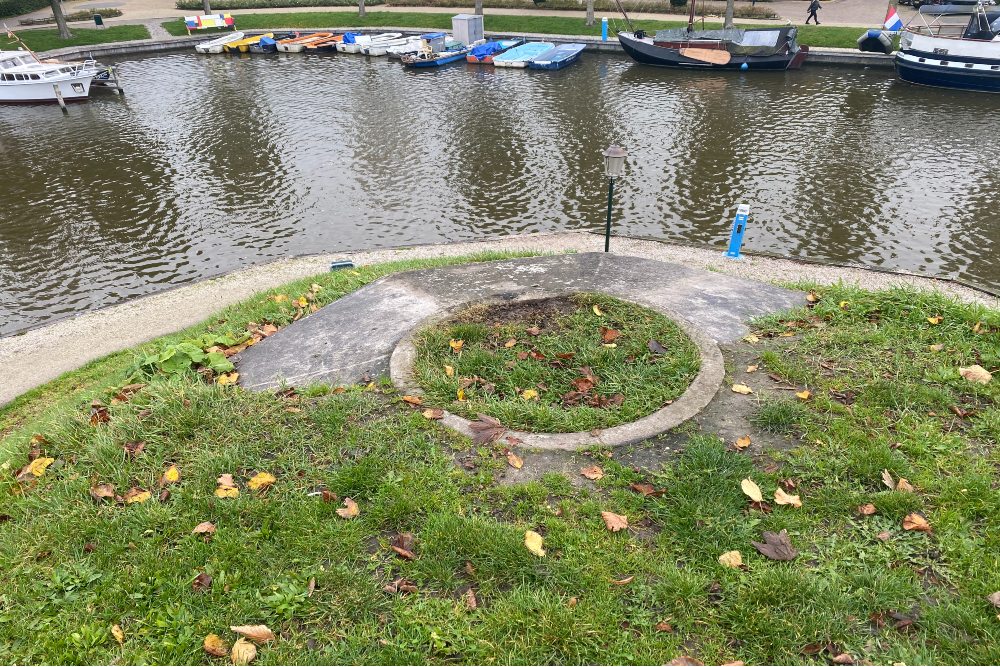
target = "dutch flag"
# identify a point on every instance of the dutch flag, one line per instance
(892, 21)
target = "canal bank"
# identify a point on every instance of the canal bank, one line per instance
(39, 355)
(817, 55)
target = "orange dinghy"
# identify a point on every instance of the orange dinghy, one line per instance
(298, 44)
(323, 45)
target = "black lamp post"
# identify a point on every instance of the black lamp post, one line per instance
(614, 166)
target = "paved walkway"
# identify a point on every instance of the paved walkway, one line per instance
(855, 13)
(353, 337)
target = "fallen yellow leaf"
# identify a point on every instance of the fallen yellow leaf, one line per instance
(228, 378)
(118, 634)
(742, 389)
(227, 492)
(937, 319)
(743, 443)
(752, 490)
(511, 343)
(751, 338)
(171, 476)
(214, 645)
(137, 495)
(812, 297)
(449, 371)
(413, 400)
(460, 394)
(844, 305)
(38, 466)
(530, 395)
(731, 559)
(301, 302)
(456, 345)
(598, 311)
(514, 460)
(243, 652)
(433, 413)
(261, 480)
(752, 368)
(805, 394)
(533, 541)
(782, 498)
(936, 347)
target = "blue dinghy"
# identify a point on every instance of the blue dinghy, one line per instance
(519, 56)
(557, 57)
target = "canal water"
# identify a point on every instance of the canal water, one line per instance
(211, 163)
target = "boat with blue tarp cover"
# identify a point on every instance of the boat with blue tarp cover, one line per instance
(268, 44)
(484, 53)
(558, 57)
(519, 56)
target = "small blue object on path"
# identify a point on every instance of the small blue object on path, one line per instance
(340, 264)
(739, 229)
(604, 29)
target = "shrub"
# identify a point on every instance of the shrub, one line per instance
(264, 4)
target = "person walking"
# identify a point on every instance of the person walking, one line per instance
(814, 7)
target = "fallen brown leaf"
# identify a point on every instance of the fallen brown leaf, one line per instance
(655, 347)
(776, 546)
(514, 461)
(887, 479)
(843, 659)
(782, 498)
(134, 447)
(206, 528)
(614, 522)
(471, 603)
(916, 521)
(349, 510)
(685, 660)
(609, 335)
(623, 582)
(663, 626)
(976, 374)
(243, 652)
(994, 599)
(102, 492)
(594, 472)
(486, 430)
(413, 400)
(256, 633)
(866, 510)
(742, 442)
(904, 486)
(433, 413)
(99, 413)
(137, 495)
(202, 582)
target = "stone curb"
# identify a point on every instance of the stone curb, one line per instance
(697, 396)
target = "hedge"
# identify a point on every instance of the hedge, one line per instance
(265, 4)
(10, 8)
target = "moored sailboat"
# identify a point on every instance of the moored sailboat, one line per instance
(730, 48)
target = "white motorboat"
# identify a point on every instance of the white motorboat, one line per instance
(215, 45)
(412, 45)
(23, 78)
(382, 48)
(358, 41)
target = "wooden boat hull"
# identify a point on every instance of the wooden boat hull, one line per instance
(647, 53)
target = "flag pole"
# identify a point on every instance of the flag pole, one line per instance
(11, 35)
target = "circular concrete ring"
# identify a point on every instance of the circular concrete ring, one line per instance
(698, 395)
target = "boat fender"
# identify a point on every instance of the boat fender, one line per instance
(744, 67)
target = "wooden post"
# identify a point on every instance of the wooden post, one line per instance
(59, 97)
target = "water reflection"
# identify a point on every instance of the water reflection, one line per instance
(211, 163)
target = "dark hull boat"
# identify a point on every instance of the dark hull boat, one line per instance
(965, 56)
(734, 49)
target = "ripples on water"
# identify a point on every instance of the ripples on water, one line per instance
(212, 163)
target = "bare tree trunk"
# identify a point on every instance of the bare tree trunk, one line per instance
(479, 7)
(207, 6)
(57, 12)
(361, 8)
(730, 8)
(590, 12)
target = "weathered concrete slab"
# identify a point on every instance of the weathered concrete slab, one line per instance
(354, 337)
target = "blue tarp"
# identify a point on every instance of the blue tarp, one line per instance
(432, 35)
(487, 49)
(268, 41)
(349, 37)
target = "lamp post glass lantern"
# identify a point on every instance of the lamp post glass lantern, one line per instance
(614, 167)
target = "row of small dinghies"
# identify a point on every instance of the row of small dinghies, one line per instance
(428, 50)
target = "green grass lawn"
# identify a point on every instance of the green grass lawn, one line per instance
(46, 39)
(556, 366)
(886, 394)
(551, 25)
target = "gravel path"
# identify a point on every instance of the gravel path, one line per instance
(43, 354)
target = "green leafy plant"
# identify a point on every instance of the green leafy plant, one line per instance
(190, 355)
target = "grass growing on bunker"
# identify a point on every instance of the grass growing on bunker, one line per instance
(557, 365)
(99, 581)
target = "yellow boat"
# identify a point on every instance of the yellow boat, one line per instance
(243, 45)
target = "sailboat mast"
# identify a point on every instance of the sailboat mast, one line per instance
(628, 21)
(691, 15)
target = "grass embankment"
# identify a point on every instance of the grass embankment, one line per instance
(556, 366)
(46, 39)
(886, 394)
(826, 36)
